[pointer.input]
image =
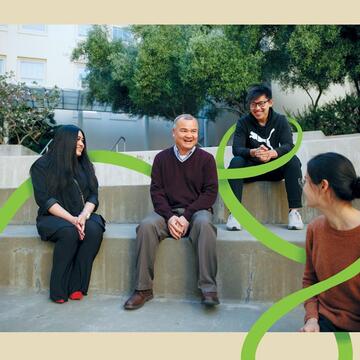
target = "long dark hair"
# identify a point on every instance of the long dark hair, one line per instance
(338, 171)
(64, 164)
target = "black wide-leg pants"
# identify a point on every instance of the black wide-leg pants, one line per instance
(73, 259)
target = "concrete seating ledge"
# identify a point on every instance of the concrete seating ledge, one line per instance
(247, 270)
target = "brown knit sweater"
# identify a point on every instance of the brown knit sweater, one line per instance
(328, 251)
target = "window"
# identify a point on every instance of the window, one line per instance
(122, 33)
(2, 65)
(84, 29)
(80, 76)
(39, 29)
(31, 70)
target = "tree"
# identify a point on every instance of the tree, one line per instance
(350, 34)
(314, 57)
(110, 68)
(171, 69)
(174, 69)
(159, 86)
(224, 63)
(26, 114)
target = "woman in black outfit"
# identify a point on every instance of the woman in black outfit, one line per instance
(66, 190)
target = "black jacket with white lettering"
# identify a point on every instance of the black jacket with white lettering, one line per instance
(275, 135)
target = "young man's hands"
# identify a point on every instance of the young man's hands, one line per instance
(263, 154)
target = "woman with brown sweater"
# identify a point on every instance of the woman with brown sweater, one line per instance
(332, 243)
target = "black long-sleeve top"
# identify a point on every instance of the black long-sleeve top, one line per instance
(275, 135)
(71, 201)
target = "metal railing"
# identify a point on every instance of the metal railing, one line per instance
(46, 148)
(116, 145)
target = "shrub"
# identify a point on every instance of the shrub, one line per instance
(26, 114)
(341, 116)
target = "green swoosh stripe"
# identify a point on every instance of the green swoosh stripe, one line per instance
(258, 169)
(344, 344)
(253, 226)
(119, 159)
(279, 309)
(25, 190)
(275, 243)
(15, 201)
(256, 229)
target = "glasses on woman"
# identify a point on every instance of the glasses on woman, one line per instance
(260, 104)
(302, 182)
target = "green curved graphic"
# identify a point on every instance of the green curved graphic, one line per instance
(258, 169)
(119, 159)
(253, 226)
(277, 244)
(15, 201)
(288, 303)
(344, 344)
(261, 233)
(18, 198)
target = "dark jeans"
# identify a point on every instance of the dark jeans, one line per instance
(327, 326)
(291, 172)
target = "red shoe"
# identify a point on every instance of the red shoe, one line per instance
(76, 295)
(60, 301)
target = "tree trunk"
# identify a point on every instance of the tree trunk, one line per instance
(6, 131)
(357, 86)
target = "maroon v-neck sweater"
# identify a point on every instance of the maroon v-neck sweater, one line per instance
(328, 251)
(192, 184)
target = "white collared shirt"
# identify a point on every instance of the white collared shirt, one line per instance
(183, 158)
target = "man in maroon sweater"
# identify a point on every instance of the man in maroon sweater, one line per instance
(183, 190)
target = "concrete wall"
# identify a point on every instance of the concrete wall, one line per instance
(297, 99)
(15, 150)
(15, 169)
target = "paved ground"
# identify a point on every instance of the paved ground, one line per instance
(27, 310)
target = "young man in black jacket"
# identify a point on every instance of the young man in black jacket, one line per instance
(262, 136)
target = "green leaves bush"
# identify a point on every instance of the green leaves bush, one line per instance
(341, 116)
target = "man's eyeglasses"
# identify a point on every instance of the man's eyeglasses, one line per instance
(261, 104)
(302, 182)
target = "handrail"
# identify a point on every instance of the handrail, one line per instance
(46, 148)
(116, 145)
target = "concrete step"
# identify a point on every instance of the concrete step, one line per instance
(267, 201)
(247, 271)
(29, 311)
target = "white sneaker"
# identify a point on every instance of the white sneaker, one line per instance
(232, 224)
(295, 222)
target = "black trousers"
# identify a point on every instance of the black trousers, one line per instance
(327, 326)
(291, 172)
(73, 259)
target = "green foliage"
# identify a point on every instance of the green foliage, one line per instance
(341, 116)
(223, 67)
(350, 34)
(26, 115)
(109, 64)
(314, 57)
(172, 69)
(158, 86)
